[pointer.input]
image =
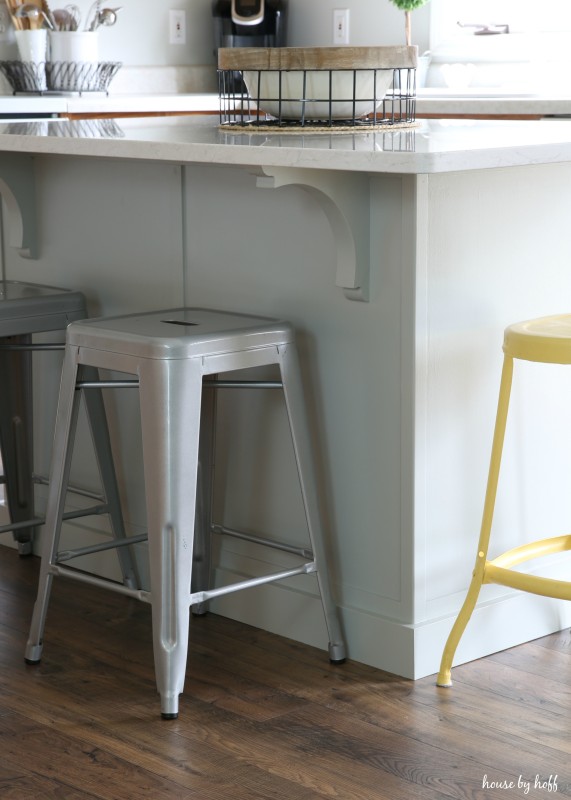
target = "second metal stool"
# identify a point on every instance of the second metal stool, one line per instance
(173, 353)
(27, 309)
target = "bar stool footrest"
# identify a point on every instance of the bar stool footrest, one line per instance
(499, 569)
(36, 521)
(209, 594)
(102, 583)
(67, 555)
(536, 549)
(25, 523)
(533, 584)
(222, 530)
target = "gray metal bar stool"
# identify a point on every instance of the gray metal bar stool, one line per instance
(175, 353)
(27, 309)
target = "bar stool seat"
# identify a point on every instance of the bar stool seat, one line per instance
(178, 357)
(546, 340)
(27, 309)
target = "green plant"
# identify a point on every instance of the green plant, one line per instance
(408, 6)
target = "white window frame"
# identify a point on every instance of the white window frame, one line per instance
(523, 16)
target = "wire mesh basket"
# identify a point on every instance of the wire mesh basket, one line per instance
(59, 76)
(336, 88)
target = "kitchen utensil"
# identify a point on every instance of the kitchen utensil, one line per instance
(63, 19)
(35, 16)
(106, 17)
(29, 21)
(19, 23)
(75, 17)
(92, 16)
(47, 11)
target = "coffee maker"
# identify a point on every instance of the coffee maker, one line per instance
(249, 23)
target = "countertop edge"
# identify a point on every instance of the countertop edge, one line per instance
(430, 148)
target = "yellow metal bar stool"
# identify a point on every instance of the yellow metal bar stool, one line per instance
(546, 340)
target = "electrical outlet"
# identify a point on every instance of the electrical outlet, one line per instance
(340, 26)
(177, 27)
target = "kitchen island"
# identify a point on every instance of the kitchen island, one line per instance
(400, 256)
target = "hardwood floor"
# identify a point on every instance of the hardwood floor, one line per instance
(262, 717)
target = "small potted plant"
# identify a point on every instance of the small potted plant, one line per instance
(408, 6)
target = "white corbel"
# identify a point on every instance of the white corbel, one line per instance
(18, 190)
(345, 199)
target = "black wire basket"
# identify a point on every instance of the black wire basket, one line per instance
(27, 77)
(314, 91)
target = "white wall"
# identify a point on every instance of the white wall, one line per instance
(141, 35)
(372, 22)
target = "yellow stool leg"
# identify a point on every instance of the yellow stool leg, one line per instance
(444, 676)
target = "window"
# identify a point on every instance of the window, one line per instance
(532, 56)
(523, 16)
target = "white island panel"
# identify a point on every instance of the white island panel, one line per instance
(467, 232)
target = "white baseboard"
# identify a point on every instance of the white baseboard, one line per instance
(294, 610)
(410, 651)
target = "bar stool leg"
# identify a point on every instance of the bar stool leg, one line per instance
(102, 445)
(296, 409)
(170, 456)
(66, 423)
(202, 554)
(445, 674)
(16, 437)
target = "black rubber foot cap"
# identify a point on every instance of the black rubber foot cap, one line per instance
(169, 716)
(337, 661)
(31, 662)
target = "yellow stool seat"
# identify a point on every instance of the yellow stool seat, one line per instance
(546, 340)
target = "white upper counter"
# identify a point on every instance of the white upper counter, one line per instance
(493, 102)
(429, 101)
(431, 146)
(99, 103)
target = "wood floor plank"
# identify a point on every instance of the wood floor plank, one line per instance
(42, 789)
(81, 766)
(347, 763)
(85, 767)
(557, 641)
(542, 693)
(553, 665)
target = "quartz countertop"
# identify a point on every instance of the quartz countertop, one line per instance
(429, 146)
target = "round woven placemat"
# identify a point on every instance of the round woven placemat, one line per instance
(258, 128)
